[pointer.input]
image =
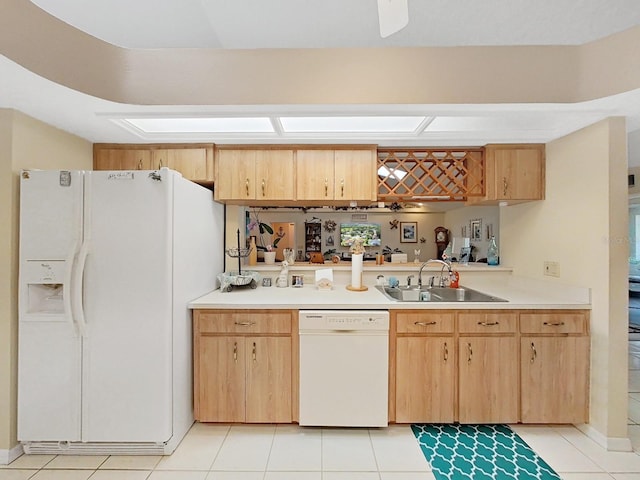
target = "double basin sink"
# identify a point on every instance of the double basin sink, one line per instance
(436, 294)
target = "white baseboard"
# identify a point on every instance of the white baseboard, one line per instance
(612, 444)
(8, 456)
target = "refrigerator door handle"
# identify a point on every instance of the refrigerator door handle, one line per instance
(68, 277)
(78, 309)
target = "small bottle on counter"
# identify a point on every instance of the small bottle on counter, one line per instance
(253, 253)
(492, 252)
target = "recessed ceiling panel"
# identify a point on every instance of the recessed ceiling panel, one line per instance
(202, 125)
(382, 124)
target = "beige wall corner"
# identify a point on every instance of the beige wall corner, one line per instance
(24, 143)
(582, 225)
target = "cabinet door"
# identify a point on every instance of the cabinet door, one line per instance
(518, 173)
(355, 175)
(315, 175)
(220, 391)
(235, 175)
(274, 175)
(121, 159)
(193, 163)
(488, 380)
(268, 379)
(554, 379)
(424, 379)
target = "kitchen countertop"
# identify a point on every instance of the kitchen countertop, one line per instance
(520, 293)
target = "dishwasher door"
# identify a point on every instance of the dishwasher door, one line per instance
(344, 368)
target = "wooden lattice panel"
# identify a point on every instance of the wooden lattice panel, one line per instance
(446, 174)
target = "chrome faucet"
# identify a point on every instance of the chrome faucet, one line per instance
(409, 280)
(440, 262)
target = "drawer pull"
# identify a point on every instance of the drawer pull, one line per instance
(534, 354)
(263, 186)
(326, 187)
(140, 164)
(253, 352)
(235, 352)
(553, 324)
(424, 324)
(245, 324)
(445, 353)
(488, 324)
(469, 353)
(246, 186)
(342, 187)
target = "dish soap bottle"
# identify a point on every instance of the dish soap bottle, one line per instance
(492, 252)
(253, 253)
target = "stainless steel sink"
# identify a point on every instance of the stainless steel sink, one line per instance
(436, 294)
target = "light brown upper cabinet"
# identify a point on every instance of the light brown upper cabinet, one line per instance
(513, 174)
(193, 161)
(121, 159)
(336, 176)
(254, 176)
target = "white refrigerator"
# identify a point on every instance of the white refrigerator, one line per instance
(108, 262)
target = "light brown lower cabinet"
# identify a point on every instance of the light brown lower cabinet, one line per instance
(554, 362)
(242, 367)
(488, 380)
(483, 366)
(425, 379)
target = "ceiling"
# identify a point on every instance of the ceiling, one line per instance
(253, 24)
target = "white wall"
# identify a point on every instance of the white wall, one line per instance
(582, 224)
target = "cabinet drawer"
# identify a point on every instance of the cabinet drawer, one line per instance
(480, 322)
(424, 322)
(243, 322)
(553, 323)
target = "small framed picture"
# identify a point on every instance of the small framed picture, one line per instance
(266, 282)
(475, 227)
(409, 232)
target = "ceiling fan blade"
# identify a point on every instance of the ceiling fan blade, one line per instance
(393, 16)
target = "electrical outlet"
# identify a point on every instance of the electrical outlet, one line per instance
(552, 269)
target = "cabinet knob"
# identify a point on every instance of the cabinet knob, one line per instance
(246, 186)
(445, 353)
(235, 352)
(140, 164)
(159, 164)
(505, 186)
(469, 353)
(263, 184)
(342, 187)
(326, 187)
(253, 352)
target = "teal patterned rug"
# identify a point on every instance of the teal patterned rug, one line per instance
(479, 452)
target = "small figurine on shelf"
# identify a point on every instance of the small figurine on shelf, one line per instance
(282, 280)
(416, 252)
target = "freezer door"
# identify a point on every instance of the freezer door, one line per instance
(127, 305)
(49, 347)
(48, 382)
(50, 213)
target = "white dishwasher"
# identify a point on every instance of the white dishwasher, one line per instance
(344, 368)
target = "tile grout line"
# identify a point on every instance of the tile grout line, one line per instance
(273, 440)
(373, 450)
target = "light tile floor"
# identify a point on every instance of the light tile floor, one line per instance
(289, 452)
